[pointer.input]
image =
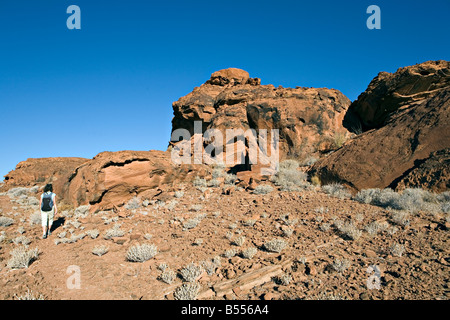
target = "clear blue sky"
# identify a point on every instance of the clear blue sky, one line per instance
(110, 86)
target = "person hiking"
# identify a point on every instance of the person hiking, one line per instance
(48, 210)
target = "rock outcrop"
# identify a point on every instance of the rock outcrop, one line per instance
(111, 179)
(389, 92)
(40, 171)
(409, 113)
(308, 119)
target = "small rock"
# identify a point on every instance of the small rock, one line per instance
(235, 260)
(364, 296)
(230, 274)
(370, 254)
(268, 296)
(135, 236)
(237, 291)
(229, 296)
(311, 269)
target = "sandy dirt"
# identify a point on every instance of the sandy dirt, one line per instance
(307, 266)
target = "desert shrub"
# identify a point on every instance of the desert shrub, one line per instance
(171, 205)
(35, 218)
(100, 250)
(191, 272)
(199, 182)
(75, 237)
(339, 139)
(29, 295)
(445, 207)
(285, 279)
(147, 236)
(75, 223)
(159, 204)
(133, 203)
(93, 233)
(214, 183)
(230, 253)
(368, 196)
(179, 194)
(62, 234)
(114, 232)
(275, 245)
(411, 199)
(195, 207)
(401, 218)
(187, 291)
(168, 276)
(249, 223)
(325, 227)
(191, 223)
(17, 192)
(141, 253)
(230, 178)
(198, 242)
(218, 173)
(232, 226)
(336, 190)
(373, 228)
(217, 261)
(239, 241)
(82, 211)
(263, 189)
(327, 296)
(340, 265)
(348, 229)
(397, 249)
(6, 221)
(32, 201)
(249, 253)
(21, 257)
(289, 178)
(289, 165)
(20, 230)
(162, 266)
(285, 217)
(21, 240)
(209, 266)
(62, 240)
(318, 219)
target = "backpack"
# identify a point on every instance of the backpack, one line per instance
(47, 202)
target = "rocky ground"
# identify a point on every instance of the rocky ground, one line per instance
(326, 247)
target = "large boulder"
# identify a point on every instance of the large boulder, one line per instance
(309, 120)
(111, 179)
(412, 136)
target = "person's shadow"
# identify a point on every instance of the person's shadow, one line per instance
(58, 223)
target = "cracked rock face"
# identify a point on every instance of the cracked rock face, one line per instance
(388, 92)
(308, 119)
(111, 179)
(410, 111)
